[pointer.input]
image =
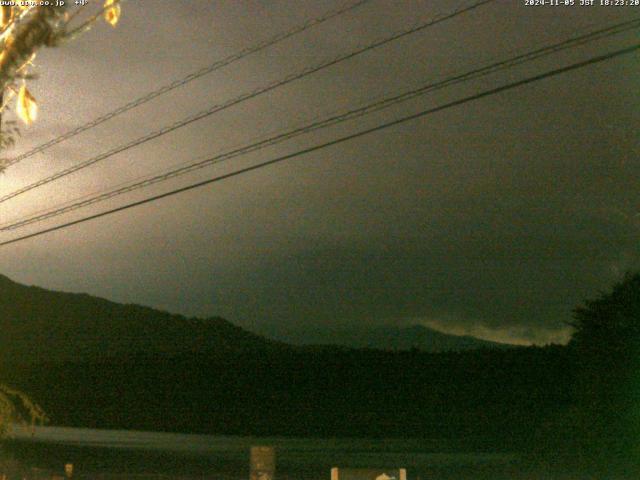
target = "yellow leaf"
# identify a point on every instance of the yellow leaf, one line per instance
(27, 108)
(112, 12)
(6, 15)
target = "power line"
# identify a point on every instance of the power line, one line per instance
(333, 120)
(186, 79)
(455, 103)
(242, 98)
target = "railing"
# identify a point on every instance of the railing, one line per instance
(262, 466)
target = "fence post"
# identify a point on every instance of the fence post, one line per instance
(263, 463)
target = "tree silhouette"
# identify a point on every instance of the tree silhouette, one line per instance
(610, 325)
(606, 346)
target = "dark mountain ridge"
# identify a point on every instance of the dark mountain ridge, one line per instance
(383, 338)
(38, 325)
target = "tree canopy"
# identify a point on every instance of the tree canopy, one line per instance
(610, 323)
(606, 348)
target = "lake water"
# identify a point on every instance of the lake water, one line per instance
(96, 453)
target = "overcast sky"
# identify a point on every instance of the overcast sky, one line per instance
(494, 218)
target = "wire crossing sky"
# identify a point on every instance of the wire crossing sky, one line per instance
(526, 81)
(185, 80)
(242, 98)
(367, 109)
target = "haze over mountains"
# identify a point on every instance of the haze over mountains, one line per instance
(383, 338)
(39, 325)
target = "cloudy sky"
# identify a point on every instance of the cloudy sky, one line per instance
(494, 218)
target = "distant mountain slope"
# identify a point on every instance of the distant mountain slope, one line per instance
(40, 325)
(132, 367)
(384, 338)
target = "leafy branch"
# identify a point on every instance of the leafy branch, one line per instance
(16, 407)
(23, 31)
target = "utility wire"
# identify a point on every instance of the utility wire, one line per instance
(333, 120)
(423, 113)
(235, 101)
(188, 78)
